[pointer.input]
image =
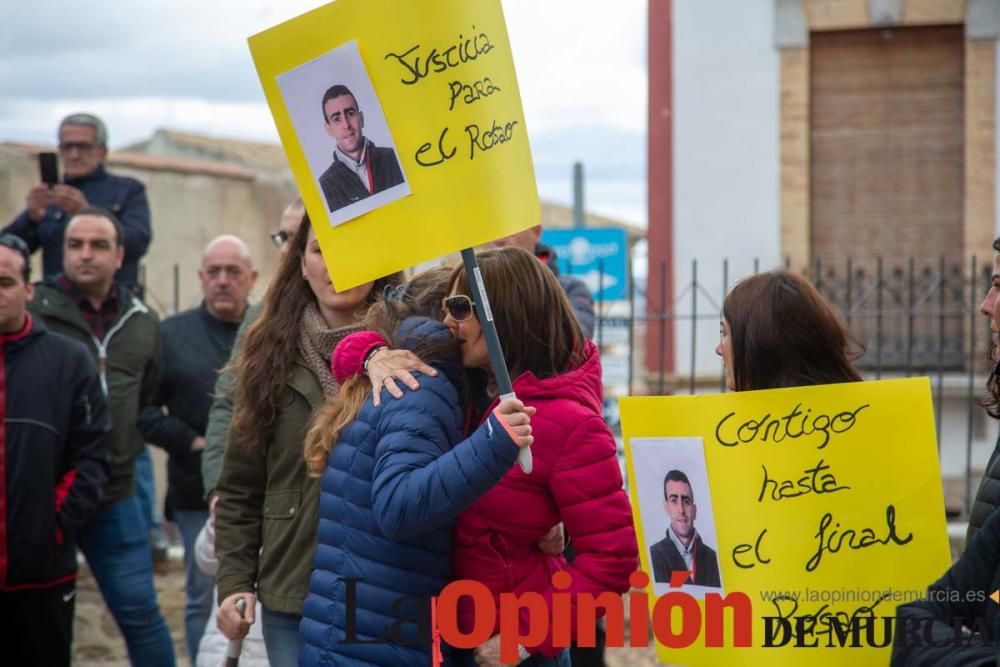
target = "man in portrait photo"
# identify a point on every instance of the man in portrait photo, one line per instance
(359, 168)
(682, 548)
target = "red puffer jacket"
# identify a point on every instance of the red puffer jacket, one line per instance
(576, 480)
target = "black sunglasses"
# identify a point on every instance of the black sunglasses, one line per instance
(460, 307)
(280, 237)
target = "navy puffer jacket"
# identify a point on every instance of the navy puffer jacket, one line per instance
(394, 482)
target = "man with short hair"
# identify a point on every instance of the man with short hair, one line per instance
(85, 303)
(577, 291)
(221, 414)
(682, 548)
(54, 445)
(359, 168)
(83, 147)
(196, 345)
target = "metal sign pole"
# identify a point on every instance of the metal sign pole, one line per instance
(497, 362)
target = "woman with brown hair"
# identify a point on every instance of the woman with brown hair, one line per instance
(777, 330)
(266, 514)
(392, 485)
(963, 592)
(576, 478)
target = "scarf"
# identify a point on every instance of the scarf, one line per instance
(316, 343)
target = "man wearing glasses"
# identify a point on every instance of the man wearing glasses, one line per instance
(288, 225)
(86, 183)
(359, 168)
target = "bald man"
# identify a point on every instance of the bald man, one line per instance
(196, 344)
(221, 415)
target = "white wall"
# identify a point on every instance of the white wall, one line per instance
(726, 157)
(996, 186)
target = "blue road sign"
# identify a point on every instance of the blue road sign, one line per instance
(585, 252)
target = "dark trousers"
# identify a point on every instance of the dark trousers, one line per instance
(592, 656)
(36, 626)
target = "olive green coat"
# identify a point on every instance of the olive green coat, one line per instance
(129, 359)
(220, 417)
(267, 512)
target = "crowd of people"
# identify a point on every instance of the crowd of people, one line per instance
(331, 453)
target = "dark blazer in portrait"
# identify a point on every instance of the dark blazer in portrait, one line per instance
(666, 559)
(342, 187)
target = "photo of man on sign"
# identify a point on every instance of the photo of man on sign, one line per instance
(678, 519)
(351, 154)
(683, 548)
(359, 168)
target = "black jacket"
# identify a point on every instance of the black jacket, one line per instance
(667, 559)
(342, 187)
(122, 195)
(962, 597)
(987, 497)
(54, 463)
(195, 347)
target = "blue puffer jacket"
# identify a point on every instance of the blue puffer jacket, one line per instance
(394, 482)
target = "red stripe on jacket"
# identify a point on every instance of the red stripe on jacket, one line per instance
(4, 339)
(62, 490)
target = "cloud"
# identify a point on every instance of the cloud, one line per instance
(185, 65)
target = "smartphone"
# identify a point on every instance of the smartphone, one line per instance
(48, 167)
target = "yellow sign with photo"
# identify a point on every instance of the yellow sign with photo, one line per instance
(403, 127)
(827, 513)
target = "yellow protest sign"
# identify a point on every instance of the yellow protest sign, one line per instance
(822, 505)
(444, 162)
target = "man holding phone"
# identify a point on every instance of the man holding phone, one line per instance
(86, 183)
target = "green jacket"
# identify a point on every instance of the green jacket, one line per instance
(129, 360)
(266, 517)
(221, 415)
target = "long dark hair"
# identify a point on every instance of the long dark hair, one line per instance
(535, 321)
(421, 297)
(265, 363)
(785, 334)
(992, 402)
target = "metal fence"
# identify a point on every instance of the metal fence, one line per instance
(910, 318)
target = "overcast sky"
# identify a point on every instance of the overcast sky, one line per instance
(185, 65)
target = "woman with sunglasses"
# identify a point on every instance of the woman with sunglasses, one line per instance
(393, 480)
(576, 477)
(266, 513)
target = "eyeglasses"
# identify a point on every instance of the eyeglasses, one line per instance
(280, 238)
(459, 307)
(80, 146)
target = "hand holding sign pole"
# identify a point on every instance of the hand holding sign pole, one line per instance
(482, 304)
